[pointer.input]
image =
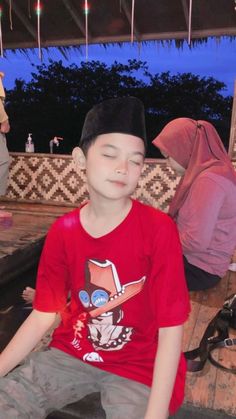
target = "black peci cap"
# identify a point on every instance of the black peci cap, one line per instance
(122, 115)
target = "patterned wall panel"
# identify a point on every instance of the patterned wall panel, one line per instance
(40, 177)
(54, 178)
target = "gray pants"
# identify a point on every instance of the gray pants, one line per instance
(4, 164)
(51, 379)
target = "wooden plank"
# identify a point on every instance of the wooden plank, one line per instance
(231, 283)
(225, 389)
(33, 207)
(21, 242)
(189, 327)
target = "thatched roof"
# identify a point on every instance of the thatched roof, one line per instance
(62, 22)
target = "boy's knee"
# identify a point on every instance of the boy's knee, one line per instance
(7, 408)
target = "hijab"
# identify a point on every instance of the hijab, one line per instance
(197, 147)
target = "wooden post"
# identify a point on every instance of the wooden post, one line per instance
(232, 138)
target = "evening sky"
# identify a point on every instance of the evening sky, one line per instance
(216, 58)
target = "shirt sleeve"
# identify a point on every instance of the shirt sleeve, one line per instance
(53, 276)
(198, 216)
(169, 294)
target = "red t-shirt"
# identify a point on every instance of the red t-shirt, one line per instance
(124, 286)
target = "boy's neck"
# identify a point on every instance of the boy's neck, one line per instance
(100, 219)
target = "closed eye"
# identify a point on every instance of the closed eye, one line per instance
(109, 155)
(137, 163)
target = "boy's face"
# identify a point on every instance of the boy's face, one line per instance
(113, 165)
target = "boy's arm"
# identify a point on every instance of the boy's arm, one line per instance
(164, 374)
(25, 339)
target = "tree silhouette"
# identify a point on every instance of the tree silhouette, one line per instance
(57, 98)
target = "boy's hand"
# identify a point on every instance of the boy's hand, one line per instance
(5, 127)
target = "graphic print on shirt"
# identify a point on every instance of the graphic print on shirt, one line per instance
(102, 298)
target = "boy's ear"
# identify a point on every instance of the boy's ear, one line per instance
(79, 158)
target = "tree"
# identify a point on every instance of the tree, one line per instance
(190, 96)
(57, 99)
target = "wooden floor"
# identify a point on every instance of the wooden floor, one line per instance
(22, 238)
(211, 388)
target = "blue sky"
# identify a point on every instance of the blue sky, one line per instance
(216, 58)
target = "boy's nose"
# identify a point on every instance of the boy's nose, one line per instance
(122, 169)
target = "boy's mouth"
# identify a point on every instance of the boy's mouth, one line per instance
(118, 183)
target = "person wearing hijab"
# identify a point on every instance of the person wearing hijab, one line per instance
(204, 204)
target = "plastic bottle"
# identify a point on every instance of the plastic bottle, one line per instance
(29, 145)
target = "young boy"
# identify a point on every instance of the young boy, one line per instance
(121, 262)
